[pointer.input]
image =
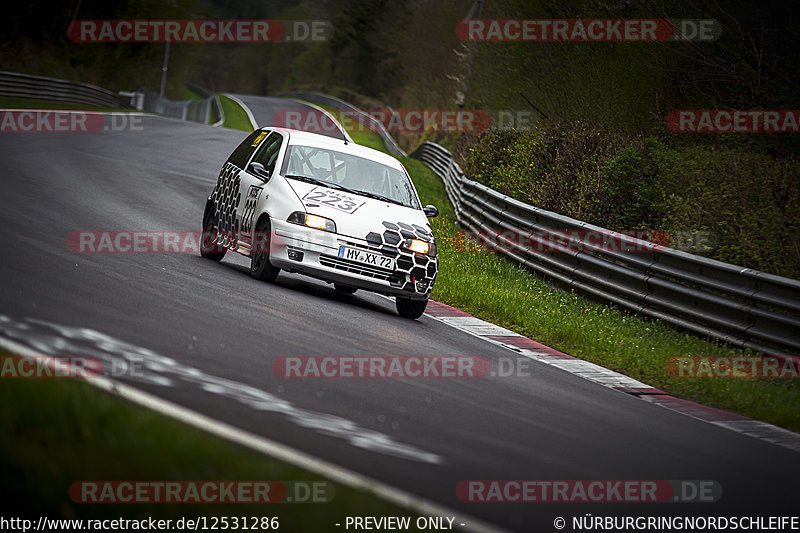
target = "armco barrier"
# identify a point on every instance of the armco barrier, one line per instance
(16, 85)
(215, 106)
(741, 306)
(192, 110)
(27, 86)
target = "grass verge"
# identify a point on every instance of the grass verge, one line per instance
(235, 116)
(61, 431)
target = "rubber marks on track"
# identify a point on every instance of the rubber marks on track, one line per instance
(608, 378)
(53, 339)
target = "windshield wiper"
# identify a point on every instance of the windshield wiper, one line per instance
(332, 185)
(308, 179)
(379, 197)
(316, 181)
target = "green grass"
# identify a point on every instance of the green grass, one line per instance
(235, 117)
(57, 432)
(369, 139)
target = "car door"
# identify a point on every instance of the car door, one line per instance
(226, 196)
(253, 181)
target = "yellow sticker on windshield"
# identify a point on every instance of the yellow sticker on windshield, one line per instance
(259, 138)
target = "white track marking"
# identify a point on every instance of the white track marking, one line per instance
(620, 382)
(272, 448)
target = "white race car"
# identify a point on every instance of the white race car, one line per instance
(331, 209)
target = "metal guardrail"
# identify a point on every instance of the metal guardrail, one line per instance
(741, 306)
(216, 107)
(193, 110)
(373, 123)
(27, 86)
(17, 85)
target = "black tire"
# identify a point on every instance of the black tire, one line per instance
(208, 248)
(411, 308)
(260, 267)
(344, 289)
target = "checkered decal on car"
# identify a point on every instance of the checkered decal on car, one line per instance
(418, 270)
(226, 197)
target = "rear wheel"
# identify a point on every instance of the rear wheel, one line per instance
(344, 289)
(411, 308)
(208, 246)
(260, 267)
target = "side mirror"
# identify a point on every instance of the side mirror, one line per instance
(430, 211)
(257, 169)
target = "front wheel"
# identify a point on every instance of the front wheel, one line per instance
(411, 308)
(260, 267)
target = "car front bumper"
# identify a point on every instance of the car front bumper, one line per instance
(315, 253)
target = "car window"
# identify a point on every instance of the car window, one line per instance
(267, 154)
(241, 155)
(351, 171)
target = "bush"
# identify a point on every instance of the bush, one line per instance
(749, 203)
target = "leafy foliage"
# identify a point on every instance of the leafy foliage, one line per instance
(748, 202)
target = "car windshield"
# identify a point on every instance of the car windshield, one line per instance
(354, 173)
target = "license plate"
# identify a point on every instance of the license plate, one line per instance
(367, 258)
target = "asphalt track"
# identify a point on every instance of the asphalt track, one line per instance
(286, 112)
(208, 334)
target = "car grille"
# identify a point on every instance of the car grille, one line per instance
(356, 268)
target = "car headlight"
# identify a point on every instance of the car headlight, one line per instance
(418, 246)
(312, 221)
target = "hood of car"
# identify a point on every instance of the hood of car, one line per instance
(358, 216)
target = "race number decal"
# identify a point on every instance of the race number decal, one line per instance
(333, 198)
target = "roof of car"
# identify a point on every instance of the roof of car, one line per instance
(325, 141)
